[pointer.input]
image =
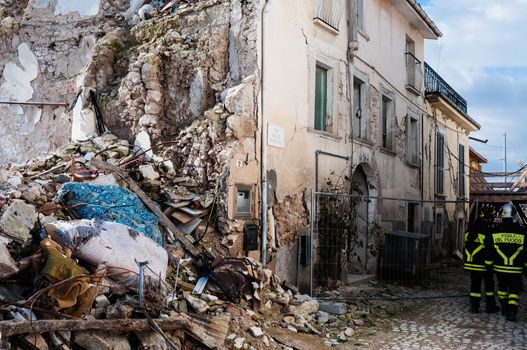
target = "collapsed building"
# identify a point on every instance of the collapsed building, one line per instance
(238, 116)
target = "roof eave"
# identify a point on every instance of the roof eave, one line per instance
(418, 18)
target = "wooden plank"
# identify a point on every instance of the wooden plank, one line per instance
(163, 219)
(182, 217)
(298, 341)
(10, 328)
(189, 227)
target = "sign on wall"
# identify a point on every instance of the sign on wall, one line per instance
(275, 136)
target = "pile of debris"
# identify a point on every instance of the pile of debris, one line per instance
(141, 10)
(102, 246)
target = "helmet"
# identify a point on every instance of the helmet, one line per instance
(487, 212)
(508, 211)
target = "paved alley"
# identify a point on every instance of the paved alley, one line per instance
(443, 324)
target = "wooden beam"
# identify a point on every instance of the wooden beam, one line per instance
(163, 219)
(10, 328)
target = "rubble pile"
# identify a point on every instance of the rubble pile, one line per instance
(107, 246)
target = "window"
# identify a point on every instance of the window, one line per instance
(243, 198)
(440, 163)
(413, 140)
(360, 14)
(411, 221)
(329, 12)
(438, 224)
(413, 67)
(387, 114)
(321, 98)
(360, 120)
(462, 171)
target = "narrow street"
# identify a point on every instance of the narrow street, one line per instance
(442, 323)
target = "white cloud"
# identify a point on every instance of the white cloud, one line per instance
(483, 55)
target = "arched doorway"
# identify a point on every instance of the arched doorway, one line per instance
(357, 239)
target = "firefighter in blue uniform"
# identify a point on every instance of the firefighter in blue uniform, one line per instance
(507, 254)
(474, 255)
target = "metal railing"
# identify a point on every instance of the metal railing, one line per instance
(329, 12)
(435, 84)
(414, 72)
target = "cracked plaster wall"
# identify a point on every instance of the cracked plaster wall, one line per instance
(47, 44)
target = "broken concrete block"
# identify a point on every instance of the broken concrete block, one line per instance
(8, 266)
(238, 343)
(322, 317)
(211, 299)
(256, 331)
(349, 332)
(148, 172)
(359, 322)
(17, 221)
(197, 304)
(151, 341)
(101, 301)
(240, 99)
(333, 308)
(101, 341)
(143, 143)
(304, 309)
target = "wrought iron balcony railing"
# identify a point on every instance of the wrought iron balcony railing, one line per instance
(329, 12)
(435, 84)
(414, 72)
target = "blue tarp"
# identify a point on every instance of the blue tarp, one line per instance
(110, 203)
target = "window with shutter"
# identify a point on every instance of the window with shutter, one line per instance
(321, 98)
(440, 163)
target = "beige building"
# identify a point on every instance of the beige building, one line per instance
(448, 131)
(344, 97)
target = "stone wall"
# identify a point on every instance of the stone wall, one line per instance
(156, 77)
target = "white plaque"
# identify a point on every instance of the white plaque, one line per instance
(275, 136)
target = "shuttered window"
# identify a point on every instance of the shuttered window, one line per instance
(387, 114)
(461, 181)
(440, 163)
(321, 98)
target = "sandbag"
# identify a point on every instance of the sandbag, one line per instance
(115, 246)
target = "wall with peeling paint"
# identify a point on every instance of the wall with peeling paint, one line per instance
(289, 104)
(44, 46)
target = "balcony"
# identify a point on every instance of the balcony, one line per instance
(435, 85)
(329, 12)
(414, 74)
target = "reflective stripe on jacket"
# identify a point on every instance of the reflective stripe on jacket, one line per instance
(474, 252)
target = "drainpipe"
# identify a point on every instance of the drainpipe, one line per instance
(263, 146)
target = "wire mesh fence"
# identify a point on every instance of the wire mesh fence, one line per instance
(395, 240)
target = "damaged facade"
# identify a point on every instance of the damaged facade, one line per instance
(255, 103)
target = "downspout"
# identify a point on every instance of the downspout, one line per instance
(352, 47)
(263, 146)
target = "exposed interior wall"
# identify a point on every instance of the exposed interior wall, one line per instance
(33, 67)
(188, 80)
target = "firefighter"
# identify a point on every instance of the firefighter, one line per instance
(508, 255)
(474, 261)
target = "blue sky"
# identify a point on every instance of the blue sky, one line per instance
(483, 55)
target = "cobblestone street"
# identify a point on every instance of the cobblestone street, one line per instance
(443, 323)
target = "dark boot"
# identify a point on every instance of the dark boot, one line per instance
(512, 314)
(474, 305)
(491, 305)
(504, 307)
